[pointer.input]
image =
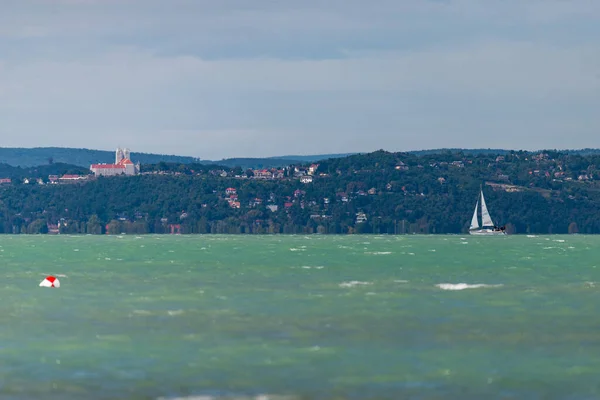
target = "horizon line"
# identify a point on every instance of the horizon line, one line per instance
(316, 154)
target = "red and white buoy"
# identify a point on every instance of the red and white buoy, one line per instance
(50, 281)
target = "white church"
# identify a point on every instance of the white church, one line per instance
(122, 166)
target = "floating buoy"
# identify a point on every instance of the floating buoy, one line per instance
(50, 281)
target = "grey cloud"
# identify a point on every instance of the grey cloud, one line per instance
(202, 22)
(492, 67)
(232, 77)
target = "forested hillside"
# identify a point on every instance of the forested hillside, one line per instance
(380, 192)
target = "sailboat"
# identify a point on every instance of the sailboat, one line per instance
(487, 227)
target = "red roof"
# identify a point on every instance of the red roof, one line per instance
(120, 165)
(108, 166)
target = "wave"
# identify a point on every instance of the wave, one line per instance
(463, 286)
(354, 283)
(142, 312)
(240, 397)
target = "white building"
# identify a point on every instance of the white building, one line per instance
(361, 217)
(122, 166)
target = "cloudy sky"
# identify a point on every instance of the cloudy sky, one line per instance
(230, 78)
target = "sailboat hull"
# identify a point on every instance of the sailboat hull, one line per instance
(486, 232)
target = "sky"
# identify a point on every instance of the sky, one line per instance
(253, 78)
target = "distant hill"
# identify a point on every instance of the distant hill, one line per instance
(581, 152)
(272, 162)
(472, 152)
(29, 157)
(41, 171)
(313, 158)
(459, 150)
(280, 161)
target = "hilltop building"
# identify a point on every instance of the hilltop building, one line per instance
(122, 166)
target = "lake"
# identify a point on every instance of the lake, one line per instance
(300, 317)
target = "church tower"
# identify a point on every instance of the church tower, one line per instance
(119, 155)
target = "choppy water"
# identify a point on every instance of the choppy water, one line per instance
(315, 317)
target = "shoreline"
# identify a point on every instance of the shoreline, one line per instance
(531, 235)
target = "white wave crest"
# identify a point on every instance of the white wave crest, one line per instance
(233, 397)
(463, 286)
(354, 283)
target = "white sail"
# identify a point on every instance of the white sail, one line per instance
(486, 219)
(474, 222)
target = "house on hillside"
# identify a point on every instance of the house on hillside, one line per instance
(71, 178)
(361, 217)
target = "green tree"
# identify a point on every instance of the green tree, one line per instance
(38, 226)
(573, 228)
(94, 226)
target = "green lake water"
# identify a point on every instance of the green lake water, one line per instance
(300, 317)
